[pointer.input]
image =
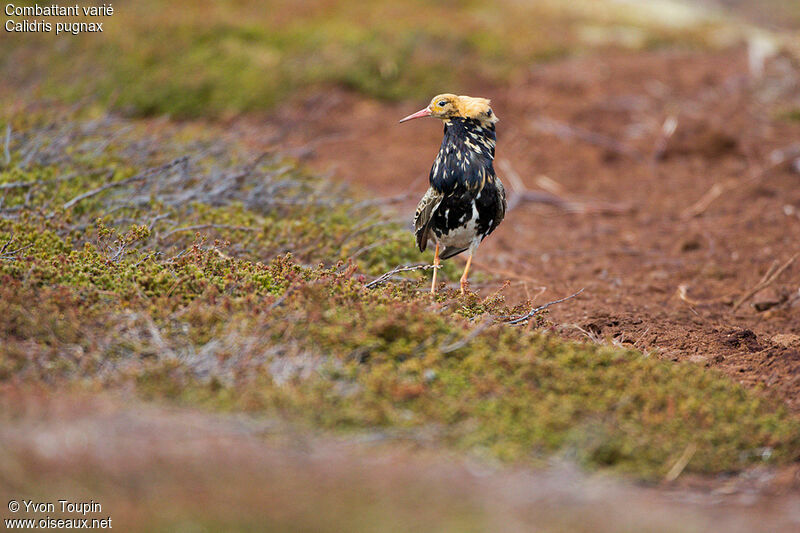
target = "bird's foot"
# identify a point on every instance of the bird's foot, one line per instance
(464, 285)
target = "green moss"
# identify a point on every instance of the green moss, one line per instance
(790, 115)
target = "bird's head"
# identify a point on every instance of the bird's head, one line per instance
(449, 106)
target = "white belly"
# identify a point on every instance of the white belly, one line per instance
(462, 236)
(465, 235)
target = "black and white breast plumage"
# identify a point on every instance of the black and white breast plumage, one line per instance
(465, 201)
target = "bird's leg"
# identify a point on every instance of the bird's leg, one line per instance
(466, 271)
(435, 268)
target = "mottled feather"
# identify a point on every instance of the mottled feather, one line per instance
(500, 201)
(423, 216)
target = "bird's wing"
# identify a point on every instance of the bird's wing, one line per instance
(424, 214)
(500, 205)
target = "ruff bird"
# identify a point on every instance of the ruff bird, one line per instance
(466, 200)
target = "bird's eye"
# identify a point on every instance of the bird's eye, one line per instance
(441, 103)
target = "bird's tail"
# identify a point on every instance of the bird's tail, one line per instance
(451, 251)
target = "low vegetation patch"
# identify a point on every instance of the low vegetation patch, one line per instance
(212, 59)
(195, 277)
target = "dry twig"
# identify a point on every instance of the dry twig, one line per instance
(681, 463)
(535, 310)
(523, 194)
(501, 272)
(207, 226)
(20, 184)
(568, 131)
(402, 268)
(466, 340)
(138, 177)
(683, 294)
(11, 254)
(665, 134)
(700, 206)
(771, 275)
(777, 160)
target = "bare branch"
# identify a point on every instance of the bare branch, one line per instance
(32, 152)
(155, 219)
(523, 194)
(12, 254)
(535, 310)
(250, 167)
(6, 245)
(19, 184)
(33, 183)
(402, 268)
(778, 158)
(146, 257)
(207, 226)
(568, 131)
(138, 177)
(466, 340)
(771, 275)
(700, 206)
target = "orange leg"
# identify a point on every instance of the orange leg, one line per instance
(466, 271)
(435, 264)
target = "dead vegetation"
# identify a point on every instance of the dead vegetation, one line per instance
(769, 277)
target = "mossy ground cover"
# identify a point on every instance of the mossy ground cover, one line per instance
(190, 272)
(202, 59)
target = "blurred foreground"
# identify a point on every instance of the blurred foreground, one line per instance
(165, 469)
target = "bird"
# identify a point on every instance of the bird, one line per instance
(466, 201)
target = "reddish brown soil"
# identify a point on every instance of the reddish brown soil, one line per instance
(660, 275)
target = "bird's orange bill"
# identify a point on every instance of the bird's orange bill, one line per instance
(419, 114)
